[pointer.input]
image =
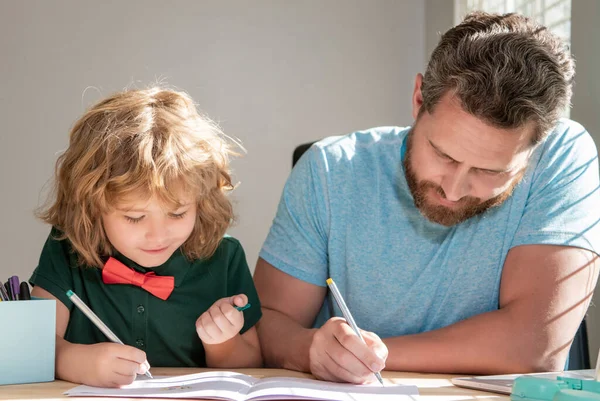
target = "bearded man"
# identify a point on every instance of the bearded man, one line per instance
(466, 243)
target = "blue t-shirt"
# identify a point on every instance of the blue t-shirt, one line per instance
(346, 212)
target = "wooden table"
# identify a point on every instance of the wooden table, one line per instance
(432, 387)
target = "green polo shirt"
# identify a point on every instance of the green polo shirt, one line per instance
(165, 330)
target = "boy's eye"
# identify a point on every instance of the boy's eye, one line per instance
(177, 215)
(134, 219)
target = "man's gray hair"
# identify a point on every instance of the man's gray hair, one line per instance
(505, 69)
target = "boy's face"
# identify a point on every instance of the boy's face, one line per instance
(457, 166)
(145, 232)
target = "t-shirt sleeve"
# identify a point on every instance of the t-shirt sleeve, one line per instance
(53, 272)
(563, 207)
(240, 282)
(298, 238)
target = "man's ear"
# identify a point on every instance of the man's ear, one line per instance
(417, 98)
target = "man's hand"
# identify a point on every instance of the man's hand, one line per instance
(338, 354)
(221, 322)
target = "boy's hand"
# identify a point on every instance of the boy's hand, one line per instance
(221, 321)
(110, 364)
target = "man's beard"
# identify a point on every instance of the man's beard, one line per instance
(466, 207)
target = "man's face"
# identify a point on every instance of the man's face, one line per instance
(457, 166)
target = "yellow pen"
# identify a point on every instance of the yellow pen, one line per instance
(346, 312)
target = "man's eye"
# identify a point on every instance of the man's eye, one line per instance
(490, 172)
(445, 157)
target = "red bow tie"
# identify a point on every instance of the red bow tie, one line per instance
(115, 272)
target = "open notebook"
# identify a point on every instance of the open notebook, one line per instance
(222, 385)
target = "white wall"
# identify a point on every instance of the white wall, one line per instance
(439, 17)
(585, 36)
(275, 73)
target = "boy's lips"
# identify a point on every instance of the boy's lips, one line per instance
(156, 250)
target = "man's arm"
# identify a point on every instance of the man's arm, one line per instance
(289, 307)
(544, 294)
(333, 352)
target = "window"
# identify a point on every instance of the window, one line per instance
(553, 14)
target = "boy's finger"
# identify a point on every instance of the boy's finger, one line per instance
(204, 336)
(132, 354)
(239, 300)
(141, 369)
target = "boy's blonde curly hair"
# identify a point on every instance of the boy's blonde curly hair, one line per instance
(145, 143)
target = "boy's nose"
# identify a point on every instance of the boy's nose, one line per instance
(156, 230)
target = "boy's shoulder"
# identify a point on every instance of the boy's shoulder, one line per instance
(228, 247)
(229, 254)
(230, 243)
(57, 242)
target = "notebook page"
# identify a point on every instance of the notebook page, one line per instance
(219, 385)
(307, 389)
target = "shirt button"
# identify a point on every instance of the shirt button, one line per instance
(139, 342)
(140, 309)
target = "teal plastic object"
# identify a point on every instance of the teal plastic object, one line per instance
(528, 388)
(576, 395)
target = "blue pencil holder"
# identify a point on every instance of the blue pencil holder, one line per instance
(27, 341)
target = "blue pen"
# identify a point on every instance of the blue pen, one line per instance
(14, 287)
(243, 308)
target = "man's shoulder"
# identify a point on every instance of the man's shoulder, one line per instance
(363, 138)
(568, 135)
(360, 145)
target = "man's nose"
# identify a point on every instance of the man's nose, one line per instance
(456, 184)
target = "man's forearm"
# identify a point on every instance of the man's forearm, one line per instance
(285, 343)
(490, 343)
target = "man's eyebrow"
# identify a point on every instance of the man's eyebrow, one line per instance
(441, 152)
